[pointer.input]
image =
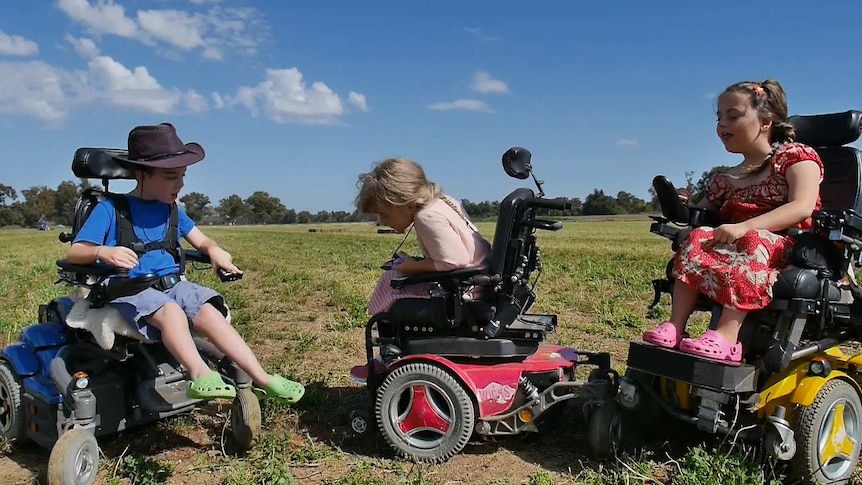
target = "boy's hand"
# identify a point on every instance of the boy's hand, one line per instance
(222, 259)
(119, 256)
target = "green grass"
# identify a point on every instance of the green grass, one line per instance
(302, 307)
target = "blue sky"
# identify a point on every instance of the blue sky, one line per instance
(297, 98)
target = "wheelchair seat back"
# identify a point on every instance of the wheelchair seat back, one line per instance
(829, 134)
(510, 242)
(95, 163)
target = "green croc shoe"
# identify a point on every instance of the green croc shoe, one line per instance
(281, 390)
(210, 386)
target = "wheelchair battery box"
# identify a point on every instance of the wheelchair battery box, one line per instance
(694, 370)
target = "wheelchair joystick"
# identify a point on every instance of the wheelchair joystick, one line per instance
(226, 276)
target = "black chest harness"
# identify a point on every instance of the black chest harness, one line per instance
(126, 237)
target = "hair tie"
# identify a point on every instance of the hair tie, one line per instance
(758, 90)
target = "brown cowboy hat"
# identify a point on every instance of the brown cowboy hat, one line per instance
(159, 147)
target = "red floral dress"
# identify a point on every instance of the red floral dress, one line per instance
(740, 275)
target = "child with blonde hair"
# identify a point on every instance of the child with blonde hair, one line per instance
(397, 191)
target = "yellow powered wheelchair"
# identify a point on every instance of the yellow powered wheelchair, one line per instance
(797, 390)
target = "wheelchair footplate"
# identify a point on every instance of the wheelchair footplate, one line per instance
(679, 366)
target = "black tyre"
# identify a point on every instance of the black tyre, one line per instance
(11, 406)
(828, 435)
(245, 419)
(605, 430)
(74, 459)
(361, 422)
(424, 413)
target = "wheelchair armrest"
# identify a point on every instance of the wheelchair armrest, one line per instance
(545, 225)
(701, 216)
(460, 274)
(95, 270)
(197, 256)
(839, 225)
(120, 287)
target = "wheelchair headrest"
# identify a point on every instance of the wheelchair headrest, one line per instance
(827, 130)
(99, 163)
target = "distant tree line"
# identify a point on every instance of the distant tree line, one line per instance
(43, 204)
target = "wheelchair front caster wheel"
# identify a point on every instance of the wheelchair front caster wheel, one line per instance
(74, 459)
(360, 422)
(605, 430)
(245, 419)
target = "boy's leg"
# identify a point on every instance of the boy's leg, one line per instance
(176, 337)
(204, 308)
(158, 317)
(210, 322)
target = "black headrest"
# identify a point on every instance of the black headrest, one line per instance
(99, 163)
(827, 130)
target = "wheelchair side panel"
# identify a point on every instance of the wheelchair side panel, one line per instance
(22, 359)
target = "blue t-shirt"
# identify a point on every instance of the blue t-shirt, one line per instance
(150, 220)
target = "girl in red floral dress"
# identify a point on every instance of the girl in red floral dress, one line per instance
(775, 187)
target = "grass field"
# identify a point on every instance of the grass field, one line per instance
(302, 308)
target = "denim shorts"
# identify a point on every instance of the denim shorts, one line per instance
(191, 297)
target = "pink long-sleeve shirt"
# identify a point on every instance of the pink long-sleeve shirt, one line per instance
(448, 239)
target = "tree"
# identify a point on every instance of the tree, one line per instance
(265, 209)
(599, 203)
(39, 203)
(7, 192)
(65, 199)
(196, 205)
(629, 203)
(232, 209)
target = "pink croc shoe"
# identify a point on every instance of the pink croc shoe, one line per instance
(711, 345)
(665, 335)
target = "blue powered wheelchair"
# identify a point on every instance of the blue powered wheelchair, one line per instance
(82, 372)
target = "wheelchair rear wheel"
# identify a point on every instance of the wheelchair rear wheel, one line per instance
(11, 405)
(828, 435)
(424, 412)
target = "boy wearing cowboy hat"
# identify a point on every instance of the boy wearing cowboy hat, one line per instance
(166, 310)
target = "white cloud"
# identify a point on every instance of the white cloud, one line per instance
(105, 17)
(483, 83)
(480, 34)
(47, 93)
(627, 142)
(357, 100)
(284, 98)
(36, 90)
(135, 89)
(218, 101)
(174, 27)
(15, 45)
(211, 32)
(83, 46)
(462, 104)
(196, 102)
